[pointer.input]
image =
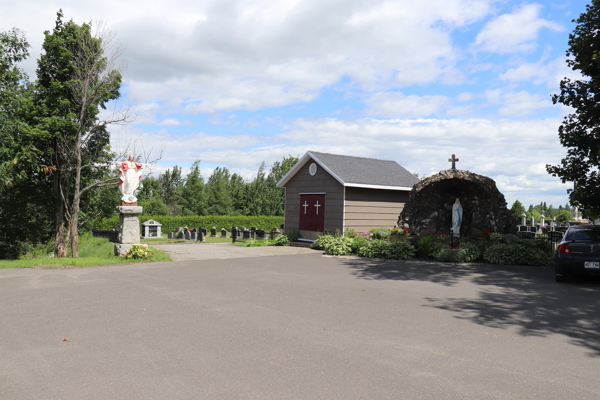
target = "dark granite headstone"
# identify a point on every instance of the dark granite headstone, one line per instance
(186, 234)
(247, 234)
(213, 231)
(193, 235)
(171, 235)
(204, 231)
(223, 233)
(260, 234)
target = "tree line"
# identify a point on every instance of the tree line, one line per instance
(222, 194)
(561, 213)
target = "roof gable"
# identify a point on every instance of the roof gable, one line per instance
(358, 171)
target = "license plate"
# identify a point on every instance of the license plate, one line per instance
(591, 264)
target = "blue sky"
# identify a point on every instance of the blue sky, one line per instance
(235, 83)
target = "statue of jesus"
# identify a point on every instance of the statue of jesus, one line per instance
(457, 217)
(130, 173)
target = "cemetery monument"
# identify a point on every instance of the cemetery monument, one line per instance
(129, 180)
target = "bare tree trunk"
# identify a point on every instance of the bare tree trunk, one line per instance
(60, 249)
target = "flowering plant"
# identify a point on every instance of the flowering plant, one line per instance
(137, 251)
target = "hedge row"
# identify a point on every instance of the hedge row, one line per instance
(170, 224)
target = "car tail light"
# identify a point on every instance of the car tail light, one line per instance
(564, 248)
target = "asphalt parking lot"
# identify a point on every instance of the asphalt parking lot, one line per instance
(297, 326)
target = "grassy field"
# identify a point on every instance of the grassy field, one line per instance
(92, 251)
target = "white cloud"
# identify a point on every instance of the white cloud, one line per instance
(523, 103)
(541, 72)
(514, 32)
(395, 104)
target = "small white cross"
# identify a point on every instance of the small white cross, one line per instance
(317, 205)
(305, 205)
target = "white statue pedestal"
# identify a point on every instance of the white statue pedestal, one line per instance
(129, 230)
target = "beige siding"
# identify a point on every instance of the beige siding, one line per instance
(372, 208)
(321, 182)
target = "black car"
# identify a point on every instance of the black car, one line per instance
(579, 252)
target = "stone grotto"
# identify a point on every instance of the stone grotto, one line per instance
(429, 207)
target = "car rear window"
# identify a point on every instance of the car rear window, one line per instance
(588, 234)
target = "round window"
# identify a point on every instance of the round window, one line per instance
(312, 169)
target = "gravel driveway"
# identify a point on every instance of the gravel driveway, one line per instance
(212, 251)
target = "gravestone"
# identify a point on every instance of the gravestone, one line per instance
(542, 220)
(171, 235)
(233, 234)
(253, 232)
(213, 231)
(194, 235)
(204, 232)
(179, 233)
(201, 236)
(224, 233)
(186, 234)
(247, 235)
(152, 229)
(260, 234)
(523, 218)
(523, 228)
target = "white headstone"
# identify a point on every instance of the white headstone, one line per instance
(523, 217)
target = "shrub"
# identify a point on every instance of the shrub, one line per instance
(527, 243)
(351, 233)
(357, 243)
(496, 238)
(515, 254)
(471, 250)
(511, 239)
(321, 242)
(376, 248)
(452, 255)
(380, 233)
(429, 248)
(292, 236)
(401, 250)
(282, 240)
(542, 243)
(501, 254)
(338, 246)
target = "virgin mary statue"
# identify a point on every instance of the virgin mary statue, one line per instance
(457, 217)
(129, 179)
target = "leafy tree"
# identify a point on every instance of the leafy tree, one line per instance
(239, 192)
(192, 195)
(563, 216)
(580, 131)
(75, 81)
(171, 187)
(219, 200)
(517, 209)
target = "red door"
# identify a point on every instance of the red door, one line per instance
(312, 212)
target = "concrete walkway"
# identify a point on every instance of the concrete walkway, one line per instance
(212, 251)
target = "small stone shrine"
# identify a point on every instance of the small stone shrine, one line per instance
(429, 207)
(152, 229)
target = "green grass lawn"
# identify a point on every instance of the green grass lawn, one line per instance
(92, 251)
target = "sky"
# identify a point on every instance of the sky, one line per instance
(234, 83)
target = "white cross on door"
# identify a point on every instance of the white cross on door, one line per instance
(317, 205)
(305, 205)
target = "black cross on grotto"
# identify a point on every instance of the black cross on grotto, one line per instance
(454, 160)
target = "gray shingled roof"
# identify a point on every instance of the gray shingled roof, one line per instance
(366, 171)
